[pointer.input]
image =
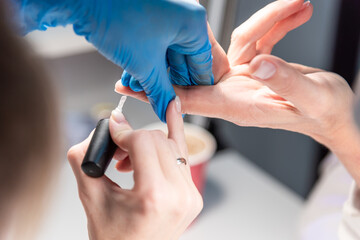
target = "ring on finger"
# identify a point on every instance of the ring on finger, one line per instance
(181, 160)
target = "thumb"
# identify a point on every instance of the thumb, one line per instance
(285, 80)
(119, 129)
(159, 90)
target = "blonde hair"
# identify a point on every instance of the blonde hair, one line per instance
(28, 135)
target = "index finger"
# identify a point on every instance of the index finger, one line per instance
(257, 26)
(263, 20)
(140, 147)
(175, 125)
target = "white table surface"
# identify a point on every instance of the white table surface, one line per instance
(241, 202)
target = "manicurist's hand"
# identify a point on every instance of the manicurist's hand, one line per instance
(143, 37)
(164, 200)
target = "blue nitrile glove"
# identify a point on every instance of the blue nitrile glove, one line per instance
(142, 36)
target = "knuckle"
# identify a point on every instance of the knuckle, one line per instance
(284, 86)
(72, 153)
(159, 134)
(140, 136)
(84, 196)
(152, 201)
(237, 35)
(199, 202)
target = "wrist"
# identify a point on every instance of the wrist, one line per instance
(344, 139)
(345, 144)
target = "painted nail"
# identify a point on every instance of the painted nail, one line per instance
(265, 71)
(178, 104)
(305, 5)
(118, 116)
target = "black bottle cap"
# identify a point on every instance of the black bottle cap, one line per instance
(100, 152)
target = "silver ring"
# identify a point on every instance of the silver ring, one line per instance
(181, 160)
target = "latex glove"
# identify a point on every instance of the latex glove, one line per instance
(164, 199)
(136, 35)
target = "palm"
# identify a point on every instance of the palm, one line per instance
(237, 98)
(249, 98)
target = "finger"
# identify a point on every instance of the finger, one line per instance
(179, 73)
(123, 162)
(175, 125)
(140, 147)
(200, 68)
(159, 90)
(305, 69)
(120, 154)
(135, 85)
(200, 100)
(125, 78)
(124, 165)
(221, 63)
(248, 33)
(176, 133)
(278, 32)
(121, 89)
(89, 187)
(183, 168)
(193, 41)
(76, 155)
(286, 81)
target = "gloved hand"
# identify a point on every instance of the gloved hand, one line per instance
(142, 36)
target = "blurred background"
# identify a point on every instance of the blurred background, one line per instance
(278, 167)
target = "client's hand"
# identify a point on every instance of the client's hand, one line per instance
(164, 200)
(310, 101)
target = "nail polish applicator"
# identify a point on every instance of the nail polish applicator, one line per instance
(101, 148)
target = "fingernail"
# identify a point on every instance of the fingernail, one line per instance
(116, 90)
(118, 116)
(118, 84)
(178, 104)
(305, 5)
(265, 71)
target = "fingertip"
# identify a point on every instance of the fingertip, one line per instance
(175, 124)
(174, 116)
(118, 126)
(124, 165)
(306, 11)
(173, 110)
(119, 87)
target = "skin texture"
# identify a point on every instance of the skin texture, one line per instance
(294, 97)
(164, 200)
